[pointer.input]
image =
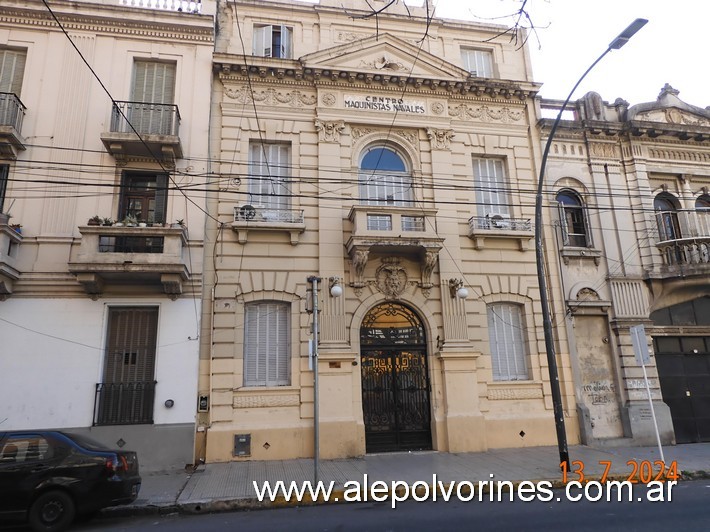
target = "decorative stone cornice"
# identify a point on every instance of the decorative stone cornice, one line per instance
(120, 21)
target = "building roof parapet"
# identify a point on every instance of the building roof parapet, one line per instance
(112, 18)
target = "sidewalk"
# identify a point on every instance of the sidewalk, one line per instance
(228, 486)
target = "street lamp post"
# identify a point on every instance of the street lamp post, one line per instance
(617, 43)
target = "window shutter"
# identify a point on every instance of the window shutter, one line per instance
(161, 197)
(563, 223)
(262, 41)
(4, 172)
(131, 344)
(507, 344)
(267, 350)
(12, 68)
(587, 226)
(489, 181)
(286, 41)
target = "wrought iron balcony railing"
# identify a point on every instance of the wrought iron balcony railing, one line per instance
(146, 118)
(262, 218)
(129, 403)
(684, 237)
(12, 111)
(499, 223)
(259, 213)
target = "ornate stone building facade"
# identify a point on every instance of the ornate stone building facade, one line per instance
(396, 161)
(100, 319)
(630, 187)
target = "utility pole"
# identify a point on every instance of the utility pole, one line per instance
(314, 358)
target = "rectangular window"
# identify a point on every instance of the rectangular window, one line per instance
(4, 173)
(267, 344)
(127, 393)
(508, 352)
(144, 197)
(151, 108)
(272, 41)
(478, 62)
(412, 223)
(12, 68)
(490, 183)
(379, 222)
(269, 175)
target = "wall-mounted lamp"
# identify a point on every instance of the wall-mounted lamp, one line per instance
(457, 288)
(336, 288)
(169, 403)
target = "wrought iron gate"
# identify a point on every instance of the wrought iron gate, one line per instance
(395, 380)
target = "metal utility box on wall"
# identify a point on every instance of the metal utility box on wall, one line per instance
(203, 403)
(242, 445)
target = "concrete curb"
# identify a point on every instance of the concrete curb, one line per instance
(218, 505)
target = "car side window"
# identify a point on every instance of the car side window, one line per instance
(21, 449)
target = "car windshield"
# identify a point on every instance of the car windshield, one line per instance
(87, 443)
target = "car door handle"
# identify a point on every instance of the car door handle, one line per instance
(37, 469)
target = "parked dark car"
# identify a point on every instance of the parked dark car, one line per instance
(48, 478)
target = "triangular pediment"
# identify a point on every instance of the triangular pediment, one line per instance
(383, 54)
(669, 109)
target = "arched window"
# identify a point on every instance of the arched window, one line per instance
(384, 178)
(574, 220)
(703, 203)
(667, 217)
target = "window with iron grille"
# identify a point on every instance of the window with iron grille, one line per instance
(507, 342)
(269, 175)
(379, 222)
(478, 62)
(144, 197)
(412, 223)
(267, 344)
(272, 40)
(384, 178)
(491, 182)
(127, 393)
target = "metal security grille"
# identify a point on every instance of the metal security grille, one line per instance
(127, 392)
(395, 381)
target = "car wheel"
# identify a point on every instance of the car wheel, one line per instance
(51, 512)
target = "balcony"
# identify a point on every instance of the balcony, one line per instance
(10, 240)
(157, 124)
(260, 218)
(684, 241)
(393, 230)
(499, 227)
(136, 256)
(12, 112)
(129, 403)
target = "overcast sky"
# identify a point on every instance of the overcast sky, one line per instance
(672, 48)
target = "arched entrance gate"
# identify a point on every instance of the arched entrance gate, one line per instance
(395, 380)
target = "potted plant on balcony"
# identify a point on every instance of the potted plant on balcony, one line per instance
(107, 222)
(179, 223)
(130, 221)
(95, 220)
(17, 228)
